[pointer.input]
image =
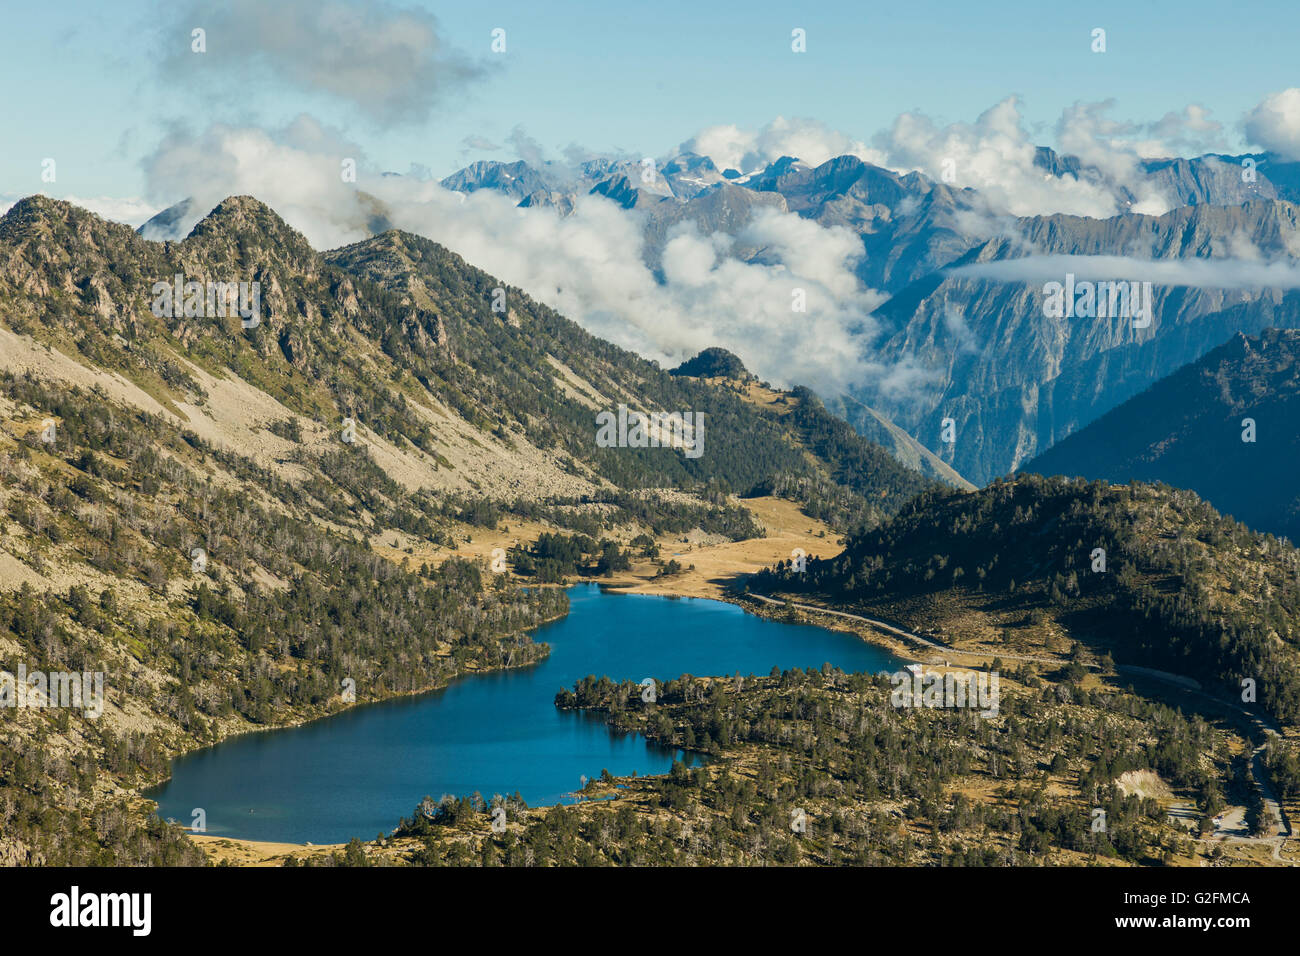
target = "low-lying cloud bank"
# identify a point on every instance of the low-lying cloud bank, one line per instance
(1228, 273)
(383, 62)
(588, 265)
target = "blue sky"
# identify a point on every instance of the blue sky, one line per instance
(85, 84)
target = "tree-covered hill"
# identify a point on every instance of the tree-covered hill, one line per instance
(815, 768)
(1181, 589)
(714, 363)
(213, 598)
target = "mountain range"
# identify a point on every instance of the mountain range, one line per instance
(232, 514)
(962, 307)
(507, 393)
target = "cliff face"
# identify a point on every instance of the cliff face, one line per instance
(1015, 380)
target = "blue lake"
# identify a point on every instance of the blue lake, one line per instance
(357, 773)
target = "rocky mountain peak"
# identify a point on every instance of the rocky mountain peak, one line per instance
(245, 231)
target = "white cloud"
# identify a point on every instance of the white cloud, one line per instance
(824, 255)
(954, 322)
(1189, 133)
(132, 211)
(995, 155)
(589, 266)
(479, 144)
(731, 147)
(1236, 273)
(388, 62)
(1275, 123)
(1109, 146)
(301, 165)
